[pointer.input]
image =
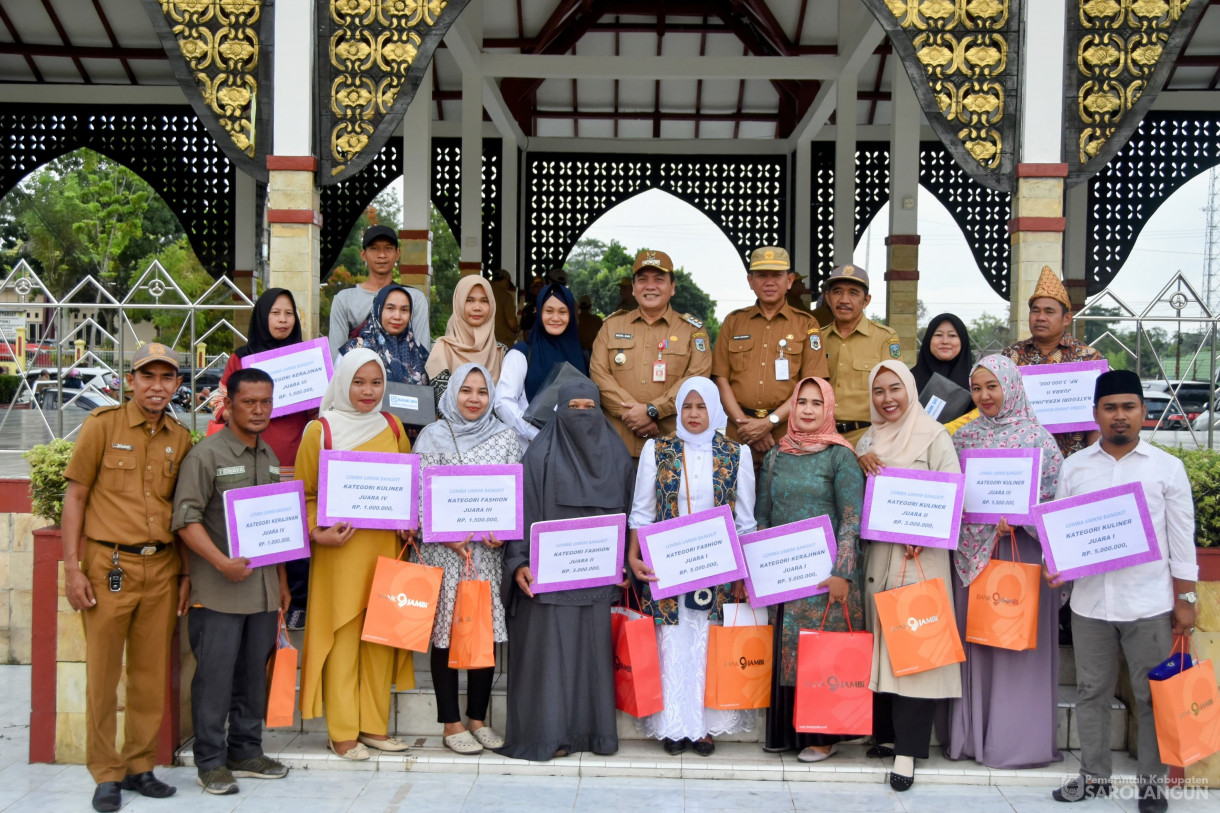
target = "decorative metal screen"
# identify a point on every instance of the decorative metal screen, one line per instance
(1165, 152)
(166, 146)
(343, 203)
(746, 197)
(447, 191)
(981, 213)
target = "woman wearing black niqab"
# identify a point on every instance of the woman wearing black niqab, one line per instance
(561, 669)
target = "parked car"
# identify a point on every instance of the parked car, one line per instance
(1159, 415)
(1192, 396)
(88, 397)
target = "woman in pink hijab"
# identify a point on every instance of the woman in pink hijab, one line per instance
(811, 472)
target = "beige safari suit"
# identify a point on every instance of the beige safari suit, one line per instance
(851, 359)
(624, 351)
(747, 349)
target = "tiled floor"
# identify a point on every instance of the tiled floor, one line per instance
(635, 786)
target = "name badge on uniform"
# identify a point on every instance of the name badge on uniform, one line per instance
(225, 471)
(275, 470)
(658, 366)
(622, 336)
(126, 447)
(781, 363)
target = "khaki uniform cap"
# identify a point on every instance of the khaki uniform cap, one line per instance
(770, 258)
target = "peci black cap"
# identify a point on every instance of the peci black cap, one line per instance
(373, 233)
(1117, 382)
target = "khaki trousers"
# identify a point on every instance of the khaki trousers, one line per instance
(140, 619)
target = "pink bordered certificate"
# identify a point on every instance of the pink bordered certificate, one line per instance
(1001, 483)
(570, 554)
(480, 500)
(1062, 394)
(267, 523)
(913, 507)
(1097, 532)
(691, 552)
(788, 562)
(300, 371)
(368, 489)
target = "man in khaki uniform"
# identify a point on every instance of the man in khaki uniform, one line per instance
(854, 346)
(121, 570)
(641, 356)
(762, 352)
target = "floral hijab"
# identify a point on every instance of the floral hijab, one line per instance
(404, 358)
(1013, 427)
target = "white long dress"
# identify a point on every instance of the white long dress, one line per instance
(511, 402)
(684, 645)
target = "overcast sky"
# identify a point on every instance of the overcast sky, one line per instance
(1173, 239)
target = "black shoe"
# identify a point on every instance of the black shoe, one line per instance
(1152, 797)
(900, 783)
(674, 747)
(296, 619)
(705, 748)
(146, 784)
(879, 752)
(1079, 788)
(107, 797)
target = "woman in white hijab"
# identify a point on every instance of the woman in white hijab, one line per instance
(694, 470)
(348, 678)
(467, 434)
(903, 436)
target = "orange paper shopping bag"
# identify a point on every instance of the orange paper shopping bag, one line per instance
(918, 626)
(1187, 712)
(402, 604)
(637, 667)
(738, 667)
(1002, 610)
(832, 674)
(471, 645)
(281, 680)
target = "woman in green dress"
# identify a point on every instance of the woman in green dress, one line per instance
(812, 471)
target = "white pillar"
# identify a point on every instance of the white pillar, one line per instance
(415, 237)
(803, 262)
(845, 169)
(902, 242)
(1037, 223)
(472, 152)
(292, 193)
(510, 197)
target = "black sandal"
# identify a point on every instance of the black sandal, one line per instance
(879, 752)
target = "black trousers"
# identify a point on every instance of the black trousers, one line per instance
(445, 685)
(298, 581)
(904, 721)
(230, 683)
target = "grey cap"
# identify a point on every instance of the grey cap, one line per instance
(851, 273)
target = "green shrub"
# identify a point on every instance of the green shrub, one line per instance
(8, 388)
(47, 482)
(1203, 469)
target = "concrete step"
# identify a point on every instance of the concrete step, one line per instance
(413, 716)
(307, 751)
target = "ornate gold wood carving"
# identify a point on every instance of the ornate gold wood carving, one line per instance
(372, 55)
(1118, 55)
(962, 59)
(215, 47)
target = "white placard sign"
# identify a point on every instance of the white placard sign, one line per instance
(1001, 483)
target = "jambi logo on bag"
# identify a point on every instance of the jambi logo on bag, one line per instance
(745, 663)
(403, 600)
(619, 666)
(1197, 708)
(834, 683)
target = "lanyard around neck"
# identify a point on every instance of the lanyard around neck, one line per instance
(686, 480)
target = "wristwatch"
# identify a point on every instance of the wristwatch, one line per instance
(1189, 598)
(774, 419)
(653, 413)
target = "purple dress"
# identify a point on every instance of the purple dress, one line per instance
(1007, 715)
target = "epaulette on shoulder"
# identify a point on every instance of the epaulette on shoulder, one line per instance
(104, 409)
(692, 320)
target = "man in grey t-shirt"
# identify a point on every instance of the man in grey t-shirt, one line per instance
(351, 307)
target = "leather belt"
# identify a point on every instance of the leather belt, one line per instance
(761, 413)
(851, 426)
(147, 549)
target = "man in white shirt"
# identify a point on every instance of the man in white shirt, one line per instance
(1137, 608)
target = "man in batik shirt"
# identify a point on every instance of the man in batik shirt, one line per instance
(1050, 314)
